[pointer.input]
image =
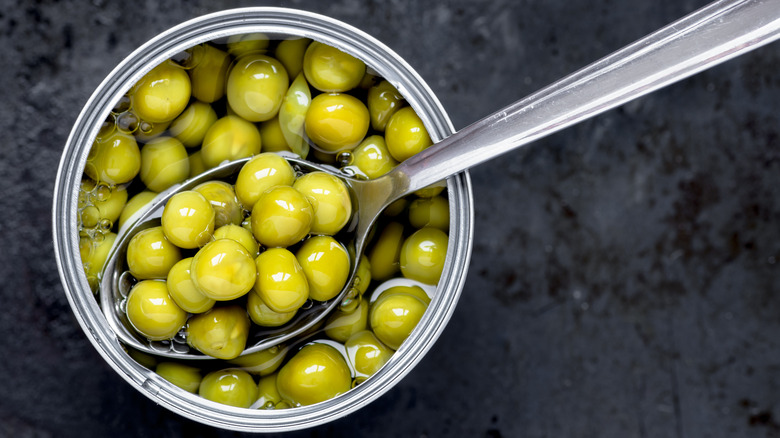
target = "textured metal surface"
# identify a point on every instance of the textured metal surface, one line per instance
(624, 275)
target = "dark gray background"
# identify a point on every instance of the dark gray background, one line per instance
(624, 280)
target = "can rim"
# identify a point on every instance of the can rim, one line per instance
(269, 20)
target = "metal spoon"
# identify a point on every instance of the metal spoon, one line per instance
(718, 32)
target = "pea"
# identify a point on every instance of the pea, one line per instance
(188, 219)
(94, 254)
(383, 101)
(152, 311)
(209, 75)
(318, 372)
(247, 44)
(230, 387)
(292, 115)
(415, 291)
(183, 291)
(223, 270)
(329, 199)
(290, 54)
(261, 173)
(135, 204)
(272, 135)
(240, 235)
(367, 352)
(385, 253)
(263, 362)
(430, 212)
(281, 217)
(405, 134)
(423, 255)
(363, 275)
(230, 138)
(115, 159)
(147, 130)
(341, 325)
(162, 94)
(255, 87)
(197, 166)
(151, 255)
(108, 203)
(432, 190)
(336, 122)
(396, 208)
(394, 316)
(328, 69)
(164, 162)
(222, 198)
(267, 394)
(191, 126)
(325, 262)
(220, 332)
(184, 376)
(281, 282)
(264, 316)
(372, 157)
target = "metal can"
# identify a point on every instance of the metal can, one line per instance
(276, 23)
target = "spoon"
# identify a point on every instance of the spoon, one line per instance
(718, 32)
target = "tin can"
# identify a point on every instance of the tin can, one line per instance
(277, 23)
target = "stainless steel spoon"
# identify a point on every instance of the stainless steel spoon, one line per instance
(718, 32)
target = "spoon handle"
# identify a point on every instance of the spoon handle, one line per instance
(718, 32)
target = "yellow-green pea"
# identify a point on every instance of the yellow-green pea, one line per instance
(107, 205)
(188, 219)
(432, 190)
(184, 376)
(162, 94)
(220, 332)
(152, 311)
(209, 75)
(341, 325)
(329, 199)
(372, 157)
(292, 115)
(394, 316)
(263, 362)
(114, 160)
(272, 135)
(223, 270)
(232, 387)
(396, 208)
(336, 122)
(328, 69)
(247, 43)
(135, 204)
(326, 265)
(255, 87)
(368, 81)
(281, 217)
(405, 134)
(261, 173)
(318, 372)
(230, 138)
(415, 291)
(183, 290)
(363, 275)
(290, 54)
(147, 130)
(281, 282)
(423, 255)
(267, 394)
(386, 251)
(191, 126)
(383, 100)
(264, 316)
(151, 255)
(430, 212)
(164, 162)
(197, 166)
(222, 198)
(367, 353)
(94, 254)
(240, 235)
